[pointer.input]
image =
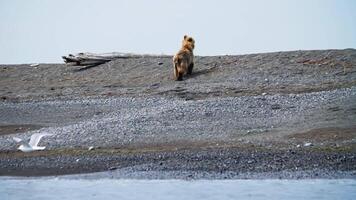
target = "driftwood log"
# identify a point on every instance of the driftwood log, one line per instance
(86, 59)
(92, 59)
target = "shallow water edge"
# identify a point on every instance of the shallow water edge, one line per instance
(59, 188)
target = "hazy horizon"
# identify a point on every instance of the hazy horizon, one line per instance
(41, 31)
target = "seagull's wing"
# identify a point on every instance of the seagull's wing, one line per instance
(35, 138)
(19, 140)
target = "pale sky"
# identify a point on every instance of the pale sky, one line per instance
(41, 31)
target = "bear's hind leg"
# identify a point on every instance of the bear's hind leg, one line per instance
(190, 68)
(179, 77)
(176, 73)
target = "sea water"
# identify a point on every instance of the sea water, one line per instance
(60, 189)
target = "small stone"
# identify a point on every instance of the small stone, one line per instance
(90, 148)
(155, 85)
(276, 107)
(112, 168)
(298, 146)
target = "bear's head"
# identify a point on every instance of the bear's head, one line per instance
(188, 42)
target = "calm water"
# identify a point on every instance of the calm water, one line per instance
(54, 188)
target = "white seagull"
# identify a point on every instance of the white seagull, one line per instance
(32, 145)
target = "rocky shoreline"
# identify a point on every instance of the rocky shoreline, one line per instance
(273, 115)
(243, 161)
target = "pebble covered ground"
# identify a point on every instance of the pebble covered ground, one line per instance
(282, 115)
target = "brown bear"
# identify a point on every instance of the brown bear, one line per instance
(183, 61)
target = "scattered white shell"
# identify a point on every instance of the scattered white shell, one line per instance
(34, 65)
(308, 144)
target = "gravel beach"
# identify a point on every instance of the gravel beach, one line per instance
(271, 115)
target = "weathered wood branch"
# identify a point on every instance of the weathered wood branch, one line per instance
(92, 59)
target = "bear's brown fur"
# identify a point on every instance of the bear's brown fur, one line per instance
(183, 61)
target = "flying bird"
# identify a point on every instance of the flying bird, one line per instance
(32, 144)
